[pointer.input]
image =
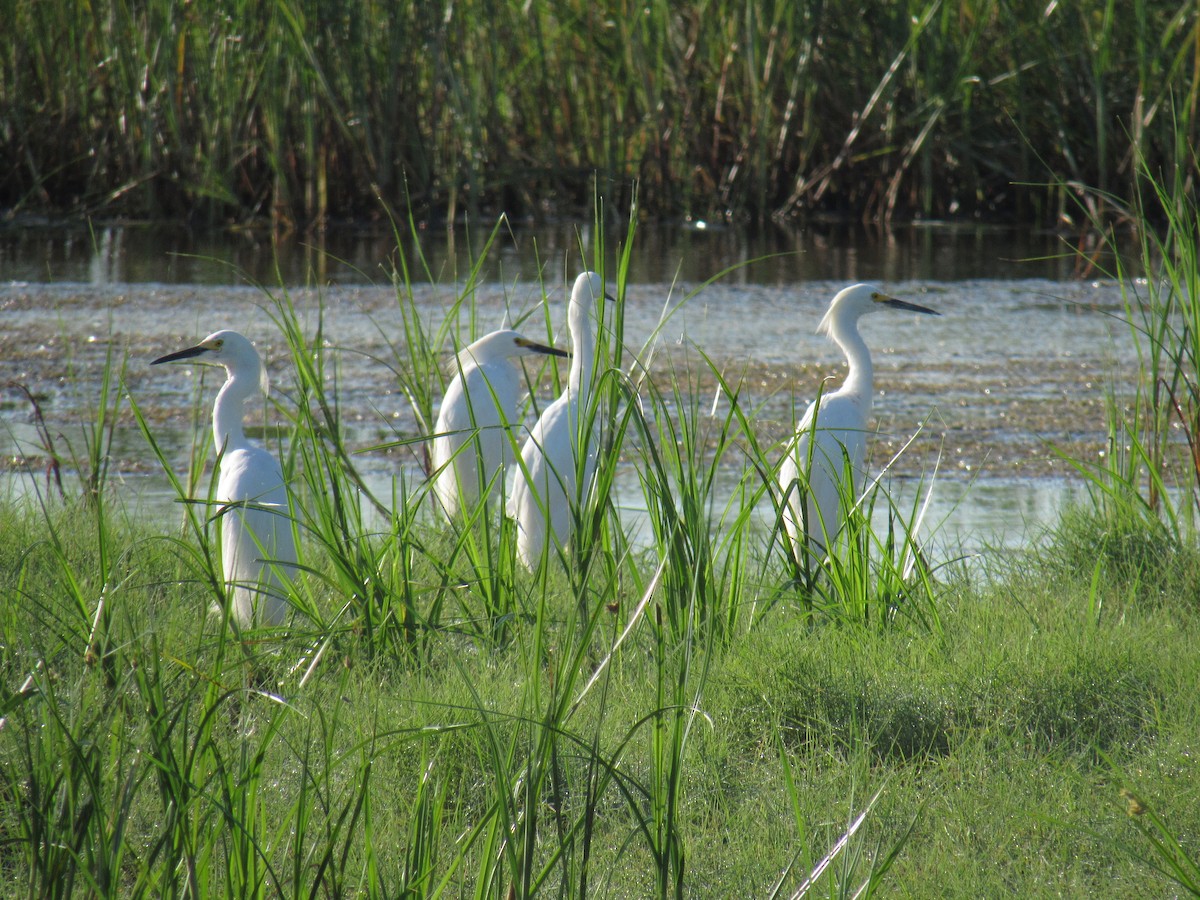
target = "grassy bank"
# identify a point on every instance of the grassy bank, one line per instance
(695, 714)
(300, 110)
(999, 756)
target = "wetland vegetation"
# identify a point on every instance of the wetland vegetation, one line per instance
(679, 716)
(675, 717)
(302, 110)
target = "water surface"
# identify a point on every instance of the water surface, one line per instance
(1014, 371)
(168, 253)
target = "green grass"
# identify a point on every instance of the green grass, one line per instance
(1153, 463)
(484, 767)
(677, 718)
(300, 110)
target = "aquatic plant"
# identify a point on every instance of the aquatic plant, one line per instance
(297, 111)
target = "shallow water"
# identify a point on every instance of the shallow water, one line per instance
(1015, 368)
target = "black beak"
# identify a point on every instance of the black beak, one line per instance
(531, 345)
(911, 307)
(189, 353)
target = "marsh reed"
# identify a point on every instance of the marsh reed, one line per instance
(299, 111)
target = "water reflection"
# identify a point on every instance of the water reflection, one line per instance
(174, 254)
(963, 518)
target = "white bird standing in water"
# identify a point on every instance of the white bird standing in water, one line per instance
(544, 501)
(256, 528)
(471, 441)
(835, 446)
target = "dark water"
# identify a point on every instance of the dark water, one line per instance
(171, 254)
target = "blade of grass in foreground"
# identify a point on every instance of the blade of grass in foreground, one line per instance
(1145, 472)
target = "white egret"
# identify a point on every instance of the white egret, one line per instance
(831, 440)
(543, 501)
(256, 529)
(471, 442)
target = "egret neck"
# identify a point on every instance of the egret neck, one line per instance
(860, 376)
(229, 409)
(583, 355)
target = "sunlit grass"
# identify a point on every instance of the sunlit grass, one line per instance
(1150, 474)
(677, 715)
(526, 764)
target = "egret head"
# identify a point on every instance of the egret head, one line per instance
(589, 287)
(858, 300)
(509, 344)
(224, 348)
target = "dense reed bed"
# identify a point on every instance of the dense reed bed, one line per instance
(694, 714)
(300, 110)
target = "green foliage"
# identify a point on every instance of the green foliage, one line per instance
(1160, 850)
(1151, 472)
(778, 752)
(300, 110)
(1124, 558)
(654, 719)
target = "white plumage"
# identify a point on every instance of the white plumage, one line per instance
(471, 441)
(557, 478)
(835, 446)
(257, 543)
